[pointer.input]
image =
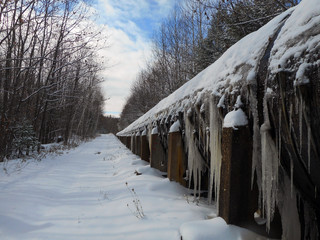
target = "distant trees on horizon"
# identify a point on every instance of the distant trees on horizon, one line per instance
(108, 124)
(194, 35)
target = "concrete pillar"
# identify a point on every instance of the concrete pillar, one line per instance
(158, 158)
(145, 152)
(176, 158)
(237, 202)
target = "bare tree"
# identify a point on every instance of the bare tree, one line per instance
(47, 68)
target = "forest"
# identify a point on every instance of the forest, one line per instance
(49, 73)
(193, 36)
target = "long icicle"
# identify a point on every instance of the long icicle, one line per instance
(215, 150)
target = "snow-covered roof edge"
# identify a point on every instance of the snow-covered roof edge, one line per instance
(237, 66)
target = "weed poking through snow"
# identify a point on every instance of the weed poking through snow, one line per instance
(138, 211)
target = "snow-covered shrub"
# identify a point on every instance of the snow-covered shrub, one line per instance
(24, 138)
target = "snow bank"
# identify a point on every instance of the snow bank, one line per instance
(216, 229)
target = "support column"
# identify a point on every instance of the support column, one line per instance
(145, 152)
(157, 155)
(176, 158)
(133, 143)
(137, 149)
(128, 142)
(236, 200)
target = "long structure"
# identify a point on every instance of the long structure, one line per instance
(246, 130)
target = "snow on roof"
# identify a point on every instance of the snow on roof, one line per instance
(238, 65)
(299, 37)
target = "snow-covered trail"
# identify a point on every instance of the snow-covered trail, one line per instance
(82, 194)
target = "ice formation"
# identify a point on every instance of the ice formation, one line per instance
(239, 103)
(287, 204)
(195, 165)
(270, 165)
(215, 150)
(256, 148)
(221, 102)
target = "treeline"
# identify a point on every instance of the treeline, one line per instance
(108, 124)
(194, 35)
(49, 84)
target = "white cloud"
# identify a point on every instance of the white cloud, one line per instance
(125, 58)
(128, 9)
(129, 43)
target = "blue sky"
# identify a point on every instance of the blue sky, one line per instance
(129, 26)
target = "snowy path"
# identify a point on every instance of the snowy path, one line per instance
(82, 195)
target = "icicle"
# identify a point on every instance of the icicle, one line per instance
(199, 129)
(287, 205)
(238, 102)
(309, 149)
(256, 150)
(215, 150)
(207, 139)
(300, 124)
(269, 158)
(202, 108)
(195, 180)
(296, 103)
(290, 117)
(291, 175)
(199, 180)
(270, 167)
(279, 136)
(221, 102)
(195, 165)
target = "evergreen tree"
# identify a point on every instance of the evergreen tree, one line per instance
(24, 138)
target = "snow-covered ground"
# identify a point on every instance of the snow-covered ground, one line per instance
(89, 193)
